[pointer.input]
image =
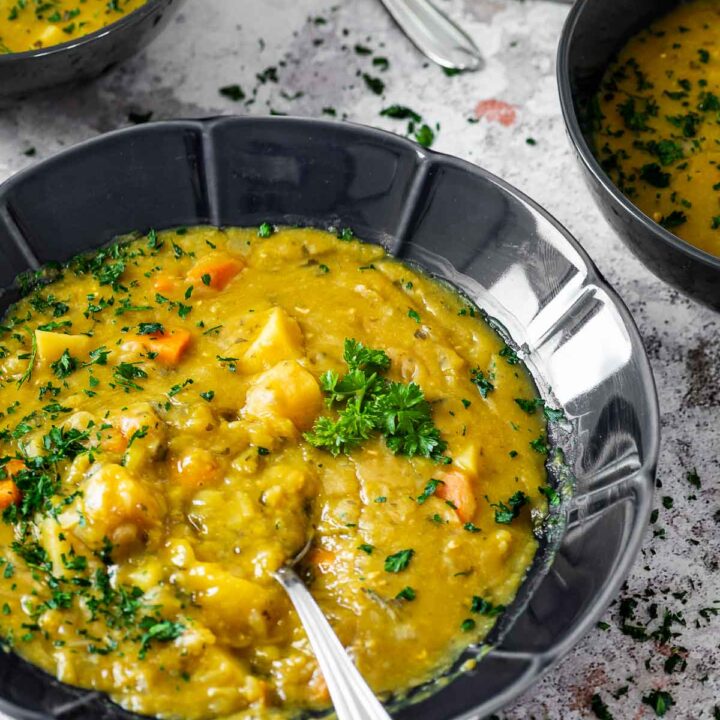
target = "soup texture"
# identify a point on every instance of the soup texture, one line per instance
(181, 411)
(34, 24)
(657, 122)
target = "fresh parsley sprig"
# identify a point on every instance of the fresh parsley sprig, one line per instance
(373, 404)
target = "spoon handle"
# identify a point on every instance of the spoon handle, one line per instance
(351, 696)
(434, 34)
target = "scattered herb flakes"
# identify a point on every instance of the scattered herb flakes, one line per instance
(398, 561)
(151, 328)
(400, 112)
(540, 445)
(660, 701)
(64, 366)
(366, 548)
(599, 708)
(429, 491)
(265, 230)
(424, 136)
(407, 593)
(693, 478)
(552, 496)
(506, 513)
(374, 84)
(481, 606)
(483, 383)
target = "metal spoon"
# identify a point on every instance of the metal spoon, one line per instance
(351, 696)
(434, 34)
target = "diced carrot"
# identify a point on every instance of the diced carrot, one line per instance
(321, 557)
(169, 346)
(457, 489)
(216, 270)
(165, 283)
(318, 687)
(196, 469)
(9, 494)
(115, 441)
(14, 466)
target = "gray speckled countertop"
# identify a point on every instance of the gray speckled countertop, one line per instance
(214, 43)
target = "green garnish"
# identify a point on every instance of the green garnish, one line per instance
(407, 593)
(399, 561)
(372, 404)
(153, 328)
(506, 513)
(485, 607)
(429, 491)
(64, 366)
(477, 377)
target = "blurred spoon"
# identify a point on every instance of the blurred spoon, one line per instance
(351, 696)
(434, 34)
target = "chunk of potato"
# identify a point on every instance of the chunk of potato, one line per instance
(117, 506)
(467, 459)
(287, 391)
(51, 345)
(51, 35)
(279, 338)
(237, 611)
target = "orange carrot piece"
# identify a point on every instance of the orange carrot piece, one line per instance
(321, 557)
(215, 270)
(165, 283)
(13, 467)
(9, 494)
(169, 346)
(197, 469)
(458, 489)
(318, 687)
(114, 441)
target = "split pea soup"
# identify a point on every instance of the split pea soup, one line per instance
(657, 122)
(35, 24)
(180, 410)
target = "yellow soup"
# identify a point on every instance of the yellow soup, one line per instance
(657, 122)
(33, 24)
(181, 411)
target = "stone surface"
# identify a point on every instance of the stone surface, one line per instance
(214, 43)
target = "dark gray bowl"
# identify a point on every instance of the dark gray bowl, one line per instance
(22, 74)
(594, 32)
(459, 223)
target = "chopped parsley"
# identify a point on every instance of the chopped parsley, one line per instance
(370, 404)
(506, 513)
(399, 561)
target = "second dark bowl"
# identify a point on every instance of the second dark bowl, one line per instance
(24, 73)
(593, 34)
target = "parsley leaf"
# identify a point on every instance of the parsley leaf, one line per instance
(374, 404)
(429, 491)
(65, 365)
(398, 561)
(505, 514)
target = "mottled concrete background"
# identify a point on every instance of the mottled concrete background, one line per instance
(214, 43)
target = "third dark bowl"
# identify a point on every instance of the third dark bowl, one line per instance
(594, 32)
(24, 73)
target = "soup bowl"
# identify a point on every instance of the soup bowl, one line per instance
(24, 73)
(460, 224)
(594, 32)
